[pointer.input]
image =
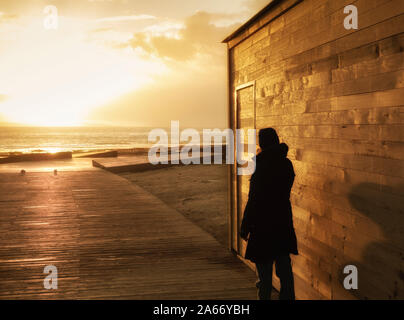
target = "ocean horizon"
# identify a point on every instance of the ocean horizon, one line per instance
(74, 139)
(25, 139)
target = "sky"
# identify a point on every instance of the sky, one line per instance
(117, 62)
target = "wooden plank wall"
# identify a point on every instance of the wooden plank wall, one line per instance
(336, 97)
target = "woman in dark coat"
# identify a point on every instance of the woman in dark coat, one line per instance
(267, 223)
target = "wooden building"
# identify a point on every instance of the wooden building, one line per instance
(336, 97)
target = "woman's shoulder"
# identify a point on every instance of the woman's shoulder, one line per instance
(289, 165)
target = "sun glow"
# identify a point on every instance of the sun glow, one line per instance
(55, 78)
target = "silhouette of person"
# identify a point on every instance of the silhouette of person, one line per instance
(267, 223)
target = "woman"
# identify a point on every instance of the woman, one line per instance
(267, 223)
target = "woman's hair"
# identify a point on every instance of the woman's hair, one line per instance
(267, 138)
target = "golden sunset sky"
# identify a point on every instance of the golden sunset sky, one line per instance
(117, 62)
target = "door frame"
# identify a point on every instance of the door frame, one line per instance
(236, 216)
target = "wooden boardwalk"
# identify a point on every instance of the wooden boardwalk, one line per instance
(109, 239)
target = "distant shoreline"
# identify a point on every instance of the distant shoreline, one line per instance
(137, 149)
(140, 148)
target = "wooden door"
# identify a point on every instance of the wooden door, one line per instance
(244, 114)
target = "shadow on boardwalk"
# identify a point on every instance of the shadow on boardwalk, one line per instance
(109, 239)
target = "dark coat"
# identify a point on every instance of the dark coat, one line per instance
(268, 213)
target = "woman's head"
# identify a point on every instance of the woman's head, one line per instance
(267, 138)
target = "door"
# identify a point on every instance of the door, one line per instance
(244, 114)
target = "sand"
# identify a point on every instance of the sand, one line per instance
(199, 192)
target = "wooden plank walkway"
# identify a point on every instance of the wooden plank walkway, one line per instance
(109, 239)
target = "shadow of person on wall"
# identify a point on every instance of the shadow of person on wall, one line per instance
(380, 222)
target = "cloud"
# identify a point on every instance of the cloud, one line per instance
(189, 79)
(198, 35)
(3, 97)
(127, 18)
(195, 58)
(165, 27)
(256, 5)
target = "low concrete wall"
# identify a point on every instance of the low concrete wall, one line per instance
(36, 157)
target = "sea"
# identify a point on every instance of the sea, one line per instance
(14, 140)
